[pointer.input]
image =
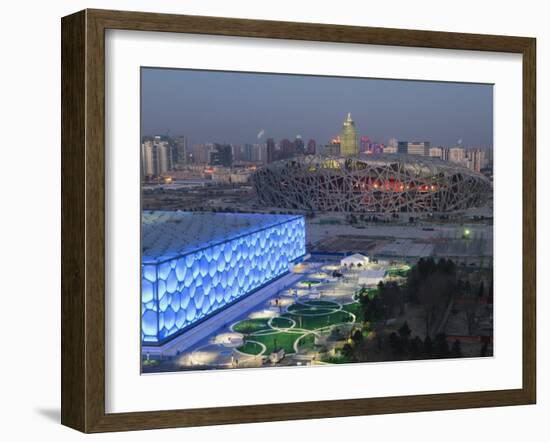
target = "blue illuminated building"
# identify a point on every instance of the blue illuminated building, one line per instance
(195, 264)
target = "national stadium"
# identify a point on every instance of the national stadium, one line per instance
(377, 183)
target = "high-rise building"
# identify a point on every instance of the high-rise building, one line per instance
(259, 153)
(287, 149)
(364, 142)
(221, 155)
(436, 152)
(414, 147)
(299, 148)
(201, 153)
(148, 158)
(311, 147)
(391, 147)
(475, 159)
(272, 154)
(375, 148)
(156, 157)
(331, 149)
(180, 146)
(349, 145)
(242, 152)
(456, 155)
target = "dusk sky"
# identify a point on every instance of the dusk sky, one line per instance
(233, 107)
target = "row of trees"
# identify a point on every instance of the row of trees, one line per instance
(432, 285)
(388, 301)
(403, 347)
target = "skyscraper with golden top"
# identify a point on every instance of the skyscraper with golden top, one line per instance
(349, 145)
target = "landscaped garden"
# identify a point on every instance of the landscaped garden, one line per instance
(295, 328)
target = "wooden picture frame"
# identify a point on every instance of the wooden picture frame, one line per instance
(83, 220)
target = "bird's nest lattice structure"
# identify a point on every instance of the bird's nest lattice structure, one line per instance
(381, 184)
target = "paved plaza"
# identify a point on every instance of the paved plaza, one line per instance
(297, 317)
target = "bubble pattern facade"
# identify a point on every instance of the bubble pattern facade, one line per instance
(379, 184)
(179, 291)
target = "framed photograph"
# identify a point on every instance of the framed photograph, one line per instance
(269, 220)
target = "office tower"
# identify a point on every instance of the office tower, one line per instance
(242, 152)
(375, 148)
(299, 145)
(271, 150)
(180, 147)
(391, 147)
(348, 138)
(476, 159)
(311, 147)
(156, 157)
(258, 153)
(221, 156)
(201, 153)
(456, 155)
(436, 152)
(287, 148)
(364, 142)
(148, 165)
(331, 149)
(413, 147)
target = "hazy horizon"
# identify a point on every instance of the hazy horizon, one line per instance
(233, 107)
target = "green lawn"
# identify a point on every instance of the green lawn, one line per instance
(354, 308)
(251, 348)
(372, 292)
(311, 282)
(321, 303)
(399, 271)
(310, 322)
(309, 311)
(250, 325)
(336, 359)
(307, 342)
(277, 340)
(281, 322)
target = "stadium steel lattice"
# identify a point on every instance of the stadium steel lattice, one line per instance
(382, 183)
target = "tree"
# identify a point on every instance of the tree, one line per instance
(428, 346)
(396, 344)
(416, 348)
(357, 337)
(347, 351)
(456, 349)
(405, 331)
(441, 346)
(481, 290)
(470, 311)
(390, 297)
(484, 349)
(433, 294)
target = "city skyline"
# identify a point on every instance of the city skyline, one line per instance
(230, 107)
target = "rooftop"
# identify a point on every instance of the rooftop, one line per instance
(418, 165)
(170, 234)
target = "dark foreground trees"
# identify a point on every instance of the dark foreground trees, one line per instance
(432, 285)
(404, 348)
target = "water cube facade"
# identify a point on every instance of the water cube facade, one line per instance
(195, 264)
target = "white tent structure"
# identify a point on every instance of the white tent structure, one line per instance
(355, 260)
(371, 277)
